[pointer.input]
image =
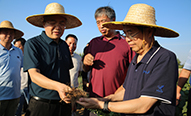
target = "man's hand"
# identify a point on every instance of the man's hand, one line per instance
(92, 103)
(63, 90)
(88, 60)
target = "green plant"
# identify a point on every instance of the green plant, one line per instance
(101, 113)
(181, 108)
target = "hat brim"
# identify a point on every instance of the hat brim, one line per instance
(18, 33)
(71, 21)
(160, 31)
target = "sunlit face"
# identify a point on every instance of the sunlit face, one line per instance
(7, 36)
(134, 38)
(72, 43)
(19, 45)
(54, 26)
(100, 20)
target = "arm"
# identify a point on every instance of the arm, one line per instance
(47, 83)
(182, 79)
(139, 106)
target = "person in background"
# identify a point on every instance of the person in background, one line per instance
(11, 61)
(72, 40)
(107, 56)
(24, 99)
(150, 84)
(48, 61)
(183, 77)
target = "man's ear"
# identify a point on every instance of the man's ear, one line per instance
(151, 32)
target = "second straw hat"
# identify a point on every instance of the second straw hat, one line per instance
(8, 25)
(51, 10)
(142, 15)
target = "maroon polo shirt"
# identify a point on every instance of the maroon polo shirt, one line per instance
(111, 60)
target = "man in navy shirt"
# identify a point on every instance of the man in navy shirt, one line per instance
(47, 60)
(150, 85)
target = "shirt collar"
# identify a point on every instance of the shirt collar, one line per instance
(3, 48)
(148, 54)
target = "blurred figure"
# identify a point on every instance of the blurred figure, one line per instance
(24, 99)
(183, 77)
(72, 40)
(11, 61)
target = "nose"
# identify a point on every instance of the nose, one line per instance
(128, 39)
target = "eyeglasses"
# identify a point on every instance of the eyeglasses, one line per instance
(129, 35)
(102, 21)
(53, 23)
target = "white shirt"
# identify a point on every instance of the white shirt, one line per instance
(74, 72)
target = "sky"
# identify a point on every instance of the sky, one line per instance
(173, 14)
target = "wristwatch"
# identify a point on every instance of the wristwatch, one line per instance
(105, 108)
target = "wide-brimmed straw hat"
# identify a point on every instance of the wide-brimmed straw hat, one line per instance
(8, 25)
(51, 10)
(142, 15)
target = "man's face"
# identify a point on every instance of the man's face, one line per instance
(7, 36)
(19, 45)
(100, 20)
(54, 26)
(72, 43)
(134, 38)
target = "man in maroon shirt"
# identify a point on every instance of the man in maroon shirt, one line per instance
(107, 56)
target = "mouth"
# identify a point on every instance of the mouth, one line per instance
(56, 32)
(103, 30)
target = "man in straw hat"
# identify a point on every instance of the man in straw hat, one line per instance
(11, 61)
(47, 60)
(150, 85)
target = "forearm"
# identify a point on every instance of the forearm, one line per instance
(183, 77)
(135, 106)
(86, 68)
(42, 80)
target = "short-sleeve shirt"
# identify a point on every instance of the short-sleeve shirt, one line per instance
(52, 59)
(187, 64)
(111, 60)
(154, 76)
(74, 72)
(11, 62)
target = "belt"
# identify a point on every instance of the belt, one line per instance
(45, 100)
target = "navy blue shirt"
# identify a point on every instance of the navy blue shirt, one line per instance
(53, 60)
(154, 76)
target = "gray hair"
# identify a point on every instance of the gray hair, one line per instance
(106, 10)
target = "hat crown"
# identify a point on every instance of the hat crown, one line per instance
(6, 24)
(54, 8)
(141, 13)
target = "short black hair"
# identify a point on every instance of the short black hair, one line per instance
(71, 35)
(22, 40)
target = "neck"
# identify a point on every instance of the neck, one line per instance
(111, 35)
(145, 49)
(6, 45)
(56, 40)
